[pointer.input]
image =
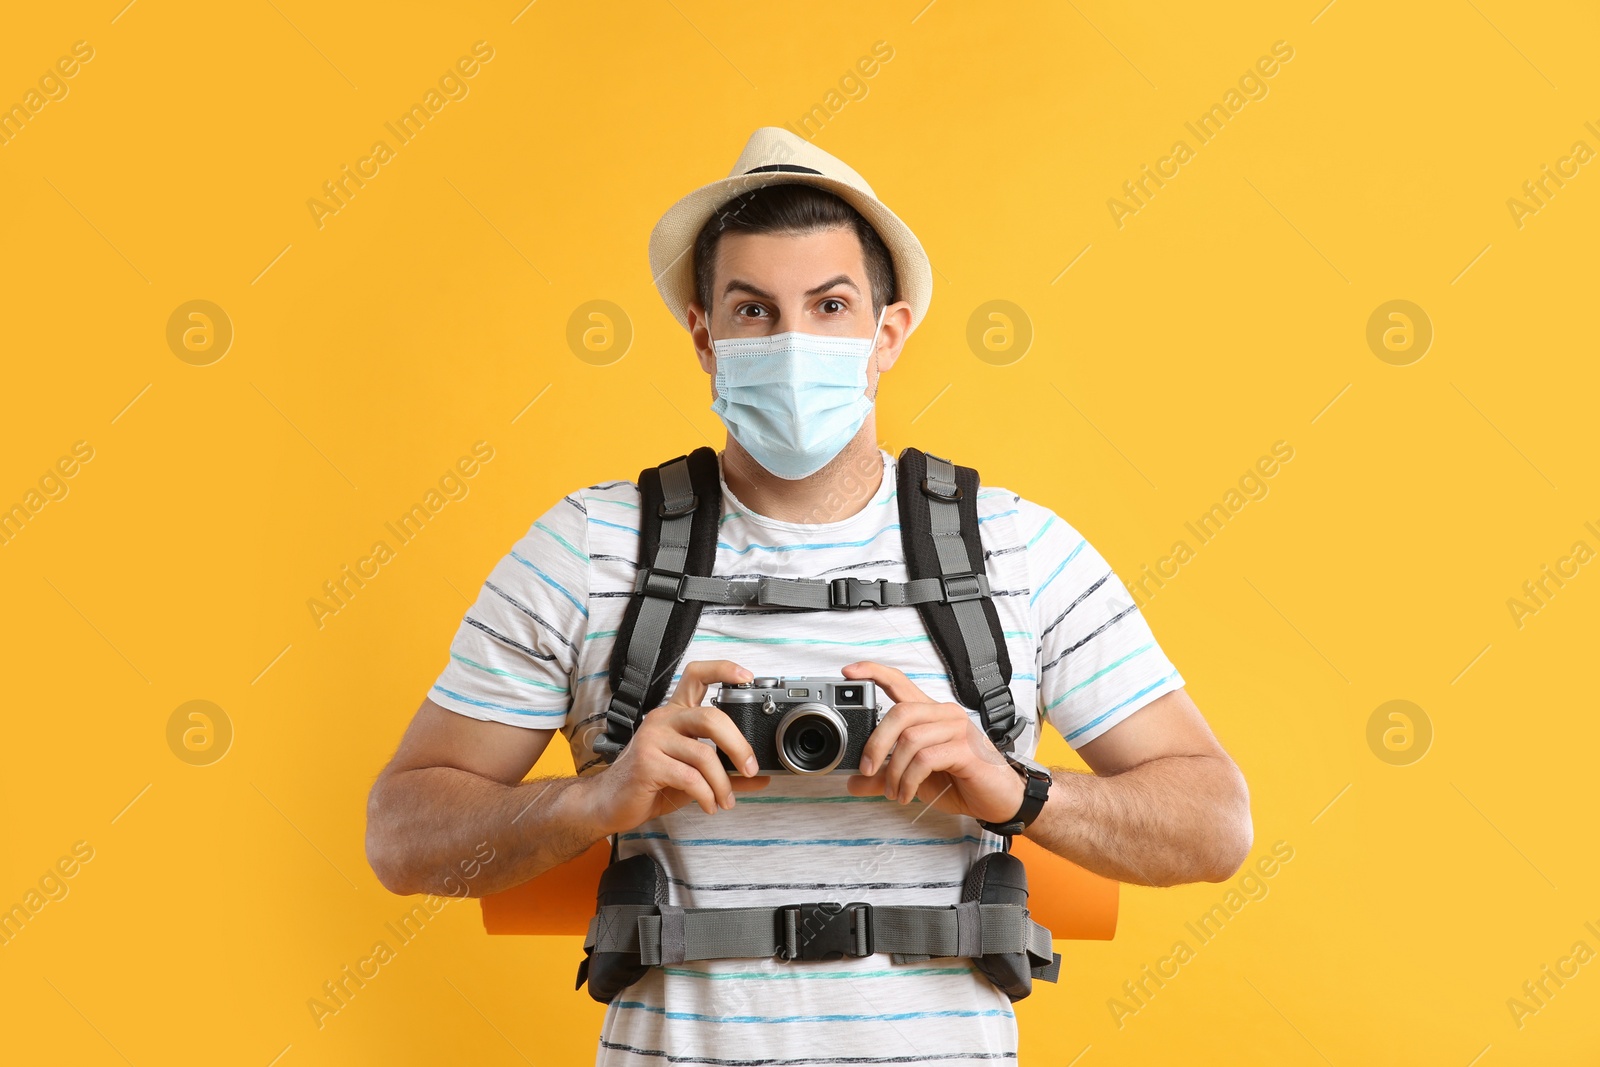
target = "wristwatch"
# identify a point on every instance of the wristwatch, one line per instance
(1035, 788)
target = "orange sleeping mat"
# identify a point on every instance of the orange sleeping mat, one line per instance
(1072, 902)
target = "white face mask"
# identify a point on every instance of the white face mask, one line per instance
(793, 400)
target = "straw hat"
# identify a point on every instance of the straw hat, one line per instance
(772, 156)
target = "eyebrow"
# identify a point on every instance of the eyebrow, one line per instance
(841, 279)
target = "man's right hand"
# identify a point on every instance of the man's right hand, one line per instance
(666, 765)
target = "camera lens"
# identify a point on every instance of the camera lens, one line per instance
(810, 739)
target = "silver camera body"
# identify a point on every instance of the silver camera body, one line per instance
(802, 725)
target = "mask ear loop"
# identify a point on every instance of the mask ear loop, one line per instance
(877, 329)
(874, 351)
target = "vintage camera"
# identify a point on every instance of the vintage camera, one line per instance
(802, 725)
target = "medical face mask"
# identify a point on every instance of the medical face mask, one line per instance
(793, 400)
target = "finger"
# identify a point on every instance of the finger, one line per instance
(703, 758)
(929, 760)
(687, 779)
(913, 740)
(901, 690)
(714, 723)
(864, 785)
(691, 689)
(887, 733)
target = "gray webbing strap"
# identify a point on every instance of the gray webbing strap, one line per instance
(969, 929)
(954, 560)
(810, 593)
(708, 934)
(936, 931)
(923, 931)
(671, 935)
(655, 611)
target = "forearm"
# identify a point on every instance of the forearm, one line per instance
(425, 828)
(1168, 821)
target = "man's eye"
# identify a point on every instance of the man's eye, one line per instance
(837, 305)
(749, 310)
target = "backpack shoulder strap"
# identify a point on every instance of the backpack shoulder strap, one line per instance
(680, 507)
(939, 528)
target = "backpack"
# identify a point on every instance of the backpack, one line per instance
(680, 510)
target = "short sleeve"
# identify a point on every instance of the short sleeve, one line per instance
(1098, 661)
(515, 654)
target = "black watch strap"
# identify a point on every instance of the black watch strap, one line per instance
(1035, 790)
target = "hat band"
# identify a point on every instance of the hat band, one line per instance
(789, 168)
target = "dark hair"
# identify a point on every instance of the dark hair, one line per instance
(792, 208)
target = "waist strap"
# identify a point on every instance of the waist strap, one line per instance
(822, 930)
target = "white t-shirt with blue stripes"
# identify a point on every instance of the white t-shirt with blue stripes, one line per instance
(534, 651)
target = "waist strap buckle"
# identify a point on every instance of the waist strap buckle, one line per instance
(824, 930)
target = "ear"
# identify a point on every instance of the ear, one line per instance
(700, 334)
(892, 336)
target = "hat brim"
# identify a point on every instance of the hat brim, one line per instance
(672, 240)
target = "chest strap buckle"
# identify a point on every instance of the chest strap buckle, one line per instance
(853, 592)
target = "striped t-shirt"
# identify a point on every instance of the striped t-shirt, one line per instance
(534, 650)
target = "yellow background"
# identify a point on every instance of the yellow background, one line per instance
(1226, 315)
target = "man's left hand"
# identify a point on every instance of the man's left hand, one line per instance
(939, 756)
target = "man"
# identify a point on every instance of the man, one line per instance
(799, 289)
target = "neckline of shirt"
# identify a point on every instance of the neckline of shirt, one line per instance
(737, 507)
